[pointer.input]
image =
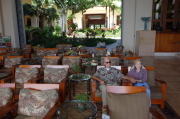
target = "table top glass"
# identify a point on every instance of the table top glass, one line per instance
(69, 110)
(80, 77)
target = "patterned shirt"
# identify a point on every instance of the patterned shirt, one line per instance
(110, 76)
(141, 75)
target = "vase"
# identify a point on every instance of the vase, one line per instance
(145, 19)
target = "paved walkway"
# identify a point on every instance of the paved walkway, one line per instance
(109, 47)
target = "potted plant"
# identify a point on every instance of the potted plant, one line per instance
(77, 68)
(89, 59)
(82, 100)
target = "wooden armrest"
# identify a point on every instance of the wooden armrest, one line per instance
(7, 78)
(8, 109)
(156, 114)
(64, 80)
(160, 81)
(34, 80)
(52, 111)
(126, 82)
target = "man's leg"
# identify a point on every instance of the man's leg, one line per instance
(103, 90)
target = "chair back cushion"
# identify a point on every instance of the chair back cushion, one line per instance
(151, 78)
(46, 61)
(51, 52)
(22, 75)
(55, 75)
(5, 96)
(114, 61)
(36, 103)
(128, 106)
(100, 52)
(41, 52)
(11, 61)
(70, 62)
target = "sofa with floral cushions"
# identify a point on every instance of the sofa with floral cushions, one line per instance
(37, 101)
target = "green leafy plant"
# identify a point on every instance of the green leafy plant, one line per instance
(89, 59)
(82, 97)
(77, 68)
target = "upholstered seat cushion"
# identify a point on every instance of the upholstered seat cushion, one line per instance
(156, 92)
(55, 75)
(5, 96)
(22, 75)
(15, 53)
(36, 103)
(9, 62)
(128, 106)
(3, 75)
(2, 51)
(8, 71)
(46, 61)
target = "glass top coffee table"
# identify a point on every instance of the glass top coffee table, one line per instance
(69, 110)
(77, 78)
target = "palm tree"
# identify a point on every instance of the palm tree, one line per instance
(42, 9)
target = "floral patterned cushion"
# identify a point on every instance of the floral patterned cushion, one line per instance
(15, 53)
(82, 48)
(100, 52)
(46, 61)
(11, 61)
(2, 51)
(5, 96)
(70, 62)
(51, 52)
(36, 103)
(54, 75)
(67, 47)
(119, 48)
(114, 61)
(22, 75)
(41, 52)
(27, 47)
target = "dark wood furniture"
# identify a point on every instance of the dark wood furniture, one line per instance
(52, 111)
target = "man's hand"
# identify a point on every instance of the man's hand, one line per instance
(102, 83)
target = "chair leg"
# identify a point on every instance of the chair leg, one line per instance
(162, 105)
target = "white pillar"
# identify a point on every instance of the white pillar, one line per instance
(9, 20)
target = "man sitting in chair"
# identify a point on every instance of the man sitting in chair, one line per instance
(109, 76)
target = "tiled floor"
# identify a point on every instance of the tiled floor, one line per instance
(168, 70)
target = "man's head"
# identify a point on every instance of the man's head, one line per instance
(107, 62)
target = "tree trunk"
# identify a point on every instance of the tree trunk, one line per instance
(106, 18)
(41, 21)
(109, 17)
(113, 16)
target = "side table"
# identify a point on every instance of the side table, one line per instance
(69, 110)
(78, 78)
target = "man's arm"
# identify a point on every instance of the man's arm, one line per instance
(98, 79)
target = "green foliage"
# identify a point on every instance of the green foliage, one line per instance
(77, 68)
(89, 59)
(57, 30)
(82, 97)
